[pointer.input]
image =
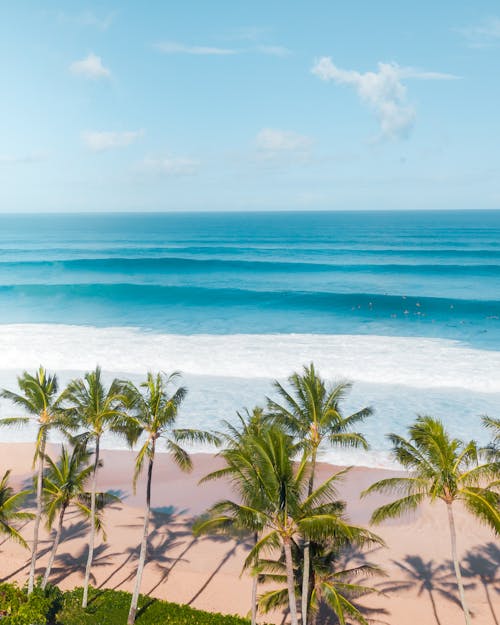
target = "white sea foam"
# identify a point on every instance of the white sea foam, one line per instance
(398, 377)
(413, 362)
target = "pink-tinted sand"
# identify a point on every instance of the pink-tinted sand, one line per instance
(206, 572)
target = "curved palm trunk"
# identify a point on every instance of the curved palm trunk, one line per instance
(90, 556)
(38, 517)
(144, 546)
(55, 545)
(307, 550)
(290, 581)
(255, 583)
(456, 564)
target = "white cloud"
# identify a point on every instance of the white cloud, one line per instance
(383, 91)
(90, 67)
(102, 141)
(272, 141)
(483, 35)
(171, 166)
(172, 47)
(88, 18)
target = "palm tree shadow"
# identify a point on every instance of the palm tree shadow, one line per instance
(483, 563)
(429, 578)
(167, 531)
(229, 554)
(69, 564)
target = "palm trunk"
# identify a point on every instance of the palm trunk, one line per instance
(144, 544)
(307, 550)
(290, 581)
(255, 583)
(55, 545)
(38, 517)
(490, 603)
(456, 564)
(90, 556)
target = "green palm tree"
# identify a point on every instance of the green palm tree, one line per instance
(96, 409)
(237, 452)
(334, 583)
(311, 412)
(444, 468)
(152, 414)
(493, 427)
(10, 513)
(39, 398)
(274, 499)
(65, 482)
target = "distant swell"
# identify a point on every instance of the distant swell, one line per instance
(209, 297)
(177, 265)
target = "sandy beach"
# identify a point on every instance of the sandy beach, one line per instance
(206, 572)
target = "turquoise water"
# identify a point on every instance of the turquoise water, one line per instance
(433, 274)
(404, 304)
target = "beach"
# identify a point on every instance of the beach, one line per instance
(206, 572)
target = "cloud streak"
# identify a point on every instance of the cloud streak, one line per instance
(171, 166)
(271, 141)
(23, 159)
(97, 141)
(486, 34)
(382, 91)
(91, 67)
(172, 47)
(88, 19)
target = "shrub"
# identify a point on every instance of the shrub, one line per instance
(107, 607)
(110, 607)
(39, 608)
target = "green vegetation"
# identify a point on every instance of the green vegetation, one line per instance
(109, 607)
(302, 540)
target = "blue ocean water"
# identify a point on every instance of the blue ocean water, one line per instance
(404, 304)
(433, 274)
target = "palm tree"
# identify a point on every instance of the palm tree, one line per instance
(10, 514)
(441, 468)
(334, 583)
(311, 412)
(493, 426)
(273, 497)
(237, 453)
(96, 409)
(64, 486)
(40, 400)
(152, 413)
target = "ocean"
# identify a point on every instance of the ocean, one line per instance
(406, 305)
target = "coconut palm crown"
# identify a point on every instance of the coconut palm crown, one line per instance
(65, 485)
(10, 510)
(311, 412)
(38, 398)
(152, 413)
(275, 501)
(96, 410)
(440, 468)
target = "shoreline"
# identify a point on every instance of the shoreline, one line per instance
(198, 572)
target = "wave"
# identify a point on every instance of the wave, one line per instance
(177, 264)
(145, 294)
(378, 360)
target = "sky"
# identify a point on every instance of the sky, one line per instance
(249, 105)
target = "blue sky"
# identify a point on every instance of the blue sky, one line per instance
(249, 105)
